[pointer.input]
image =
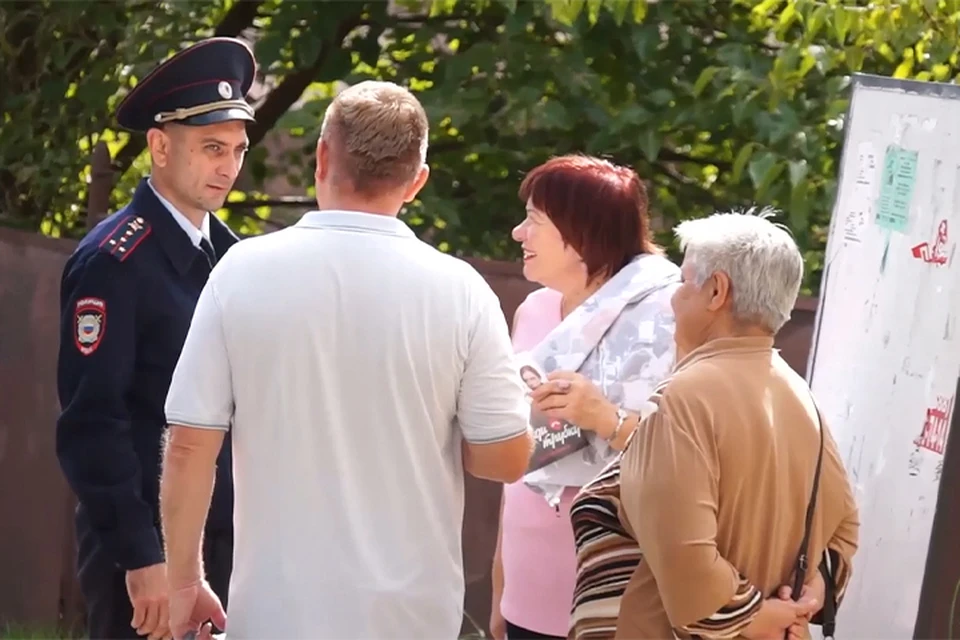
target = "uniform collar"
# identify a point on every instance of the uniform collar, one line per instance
(170, 235)
(356, 221)
(194, 234)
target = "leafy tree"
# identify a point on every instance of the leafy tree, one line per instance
(716, 103)
(64, 68)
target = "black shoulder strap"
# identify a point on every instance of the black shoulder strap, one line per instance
(802, 561)
(802, 564)
(828, 614)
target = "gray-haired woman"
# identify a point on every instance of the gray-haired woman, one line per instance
(710, 495)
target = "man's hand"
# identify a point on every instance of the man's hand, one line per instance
(147, 588)
(190, 609)
(776, 617)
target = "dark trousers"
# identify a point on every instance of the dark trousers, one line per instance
(104, 586)
(519, 633)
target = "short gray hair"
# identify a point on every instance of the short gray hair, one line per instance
(760, 257)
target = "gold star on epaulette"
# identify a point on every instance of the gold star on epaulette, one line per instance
(126, 237)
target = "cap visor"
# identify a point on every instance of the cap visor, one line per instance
(214, 117)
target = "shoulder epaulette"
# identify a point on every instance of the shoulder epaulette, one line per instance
(125, 237)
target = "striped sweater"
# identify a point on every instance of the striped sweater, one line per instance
(607, 557)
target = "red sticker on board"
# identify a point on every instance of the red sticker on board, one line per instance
(933, 253)
(90, 321)
(933, 436)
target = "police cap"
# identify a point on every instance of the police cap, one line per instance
(202, 84)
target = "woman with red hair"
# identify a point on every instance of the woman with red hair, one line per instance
(601, 327)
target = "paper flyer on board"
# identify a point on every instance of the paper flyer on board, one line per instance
(553, 439)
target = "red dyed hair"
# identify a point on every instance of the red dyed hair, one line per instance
(600, 209)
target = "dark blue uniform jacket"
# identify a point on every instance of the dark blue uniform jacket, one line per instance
(127, 297)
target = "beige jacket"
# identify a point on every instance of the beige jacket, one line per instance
(715, 486)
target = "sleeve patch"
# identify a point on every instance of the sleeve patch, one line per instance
(90, 321)
(125, 237)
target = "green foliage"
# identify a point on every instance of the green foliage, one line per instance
(19, 632)
(716, 103)
(64, 67)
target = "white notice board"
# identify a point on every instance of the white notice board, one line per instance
(885, 361)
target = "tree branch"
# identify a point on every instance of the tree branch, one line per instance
(419, 20)
(292, 86)
(295, 201)
(668, 155)
(665, 155)
(277, 226)
(696, 192)
(240, 16)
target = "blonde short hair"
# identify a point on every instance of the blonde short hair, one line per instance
(378, 134)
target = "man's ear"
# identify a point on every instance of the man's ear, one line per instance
(159, 144)
(417, 184)
(721, 292)
(323, 160)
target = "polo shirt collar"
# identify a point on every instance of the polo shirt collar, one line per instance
(356, 221)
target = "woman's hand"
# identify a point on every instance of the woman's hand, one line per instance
(569, 396)
(781, 617)
(815, 589)
(773, 620)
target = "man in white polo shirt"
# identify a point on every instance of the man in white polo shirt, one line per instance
(360, 371)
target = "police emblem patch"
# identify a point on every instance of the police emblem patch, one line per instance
(90, 319)
(226, 91)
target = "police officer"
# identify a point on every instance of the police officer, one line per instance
(127, 296)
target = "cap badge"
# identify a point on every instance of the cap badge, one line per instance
(226, 91)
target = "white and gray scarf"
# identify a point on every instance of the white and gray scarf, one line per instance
(621, 338)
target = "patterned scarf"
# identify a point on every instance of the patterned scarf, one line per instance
(621, 338)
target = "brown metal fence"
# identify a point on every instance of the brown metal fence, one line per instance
(37, 588)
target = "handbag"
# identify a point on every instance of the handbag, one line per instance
(826, 617)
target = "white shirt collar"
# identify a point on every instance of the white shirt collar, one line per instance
(192, 232)
(356, 221)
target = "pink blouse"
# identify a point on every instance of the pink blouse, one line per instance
(537, 549)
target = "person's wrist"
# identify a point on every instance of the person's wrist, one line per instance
(607, 420)
(184, 577)
(757, 622)
(183, 583)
